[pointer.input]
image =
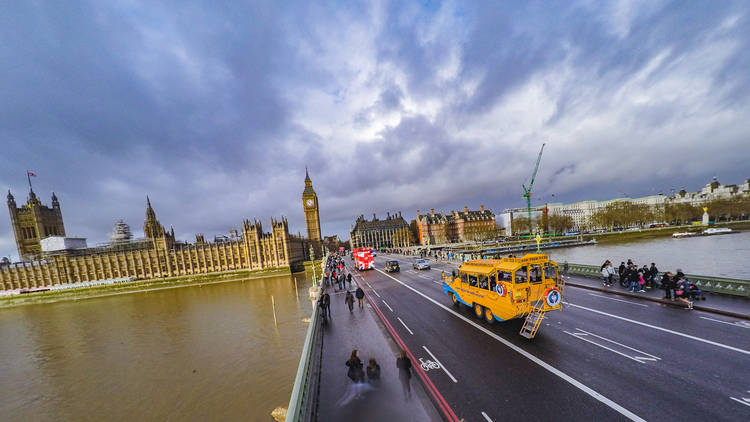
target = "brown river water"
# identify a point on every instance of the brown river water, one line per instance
(188, 353)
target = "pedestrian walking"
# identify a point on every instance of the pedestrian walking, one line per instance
(360, 295)
(641, 282)
(349, 279)
(403, 363)
(340, 282)
(654, 272)
(373, 371)
(633, 279)
(668, 284)
(605, 273)
(610, 274)
(327, 303)
(349, 300)
(355, 372)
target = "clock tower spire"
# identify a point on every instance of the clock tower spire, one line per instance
(310, 206)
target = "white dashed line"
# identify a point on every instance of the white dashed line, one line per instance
(438, 362)
(619, 300)
(486, 417)
(389, 306)
(736, 324)
(368, 284)
(376, 293)
(407, 328)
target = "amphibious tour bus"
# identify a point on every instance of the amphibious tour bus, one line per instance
(507, 288)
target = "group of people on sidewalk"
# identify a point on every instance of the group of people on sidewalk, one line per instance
(640, 279)
(363, 379)
(356, 373)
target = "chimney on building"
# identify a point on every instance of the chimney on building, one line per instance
(387, 215)
(481, 208)
(466, 209)
(432, 211)
(374, 217)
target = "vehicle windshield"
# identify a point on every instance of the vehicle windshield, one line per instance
(419, 261)
(392, 263)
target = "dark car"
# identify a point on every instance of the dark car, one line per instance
(392, 266)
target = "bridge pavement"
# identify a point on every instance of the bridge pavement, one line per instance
(599, 359)
(385, 400)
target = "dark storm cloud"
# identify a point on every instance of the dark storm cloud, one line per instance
(214, 110)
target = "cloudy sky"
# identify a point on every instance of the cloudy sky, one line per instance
(215, 110)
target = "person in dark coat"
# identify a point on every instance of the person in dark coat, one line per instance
(349, 279)
(373, 371)
(349, 300)
(355, 372)
(668, 284)
(360, 295)
(403, 363)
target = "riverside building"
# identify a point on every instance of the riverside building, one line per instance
(392, 232)
(455, 227)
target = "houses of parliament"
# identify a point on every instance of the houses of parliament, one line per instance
(49, 258)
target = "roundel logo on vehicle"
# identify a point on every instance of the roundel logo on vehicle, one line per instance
(553, 297)
(500, 289)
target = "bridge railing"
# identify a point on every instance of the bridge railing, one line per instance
(723, 285)
(299, 402)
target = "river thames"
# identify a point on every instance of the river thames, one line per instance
(720, 255)
(189, 353)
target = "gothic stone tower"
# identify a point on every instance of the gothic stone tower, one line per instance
(310, 206)
(33, 222)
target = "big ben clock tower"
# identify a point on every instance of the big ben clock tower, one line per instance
(310, 206)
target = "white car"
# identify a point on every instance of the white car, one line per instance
(421, 264)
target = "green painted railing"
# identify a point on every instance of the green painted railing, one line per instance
(723, 285)
(299, 400)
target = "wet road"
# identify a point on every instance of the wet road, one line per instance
(602, 358)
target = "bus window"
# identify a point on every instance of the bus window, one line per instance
(472, 280)
(550, 271)
(520, 275)
(483, 284)
(504, 276)
(493, 283)
(463, 278)
(535, 274)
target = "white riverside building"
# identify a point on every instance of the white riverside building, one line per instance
(583, 210)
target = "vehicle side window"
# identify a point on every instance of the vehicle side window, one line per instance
(483, 283)
(463, 278)
(472, 280)
(550, 270)
(535, 274)
(493, 283)
(504, 276)
(520, 276)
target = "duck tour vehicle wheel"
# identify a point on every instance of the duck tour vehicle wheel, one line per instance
(455, 301)
(478, 310)
(488, 316)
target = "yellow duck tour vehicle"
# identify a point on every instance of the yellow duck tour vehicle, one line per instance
(508, 288)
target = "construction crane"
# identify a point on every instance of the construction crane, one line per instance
(527, 190)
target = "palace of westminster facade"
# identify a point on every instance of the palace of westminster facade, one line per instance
(157, 255)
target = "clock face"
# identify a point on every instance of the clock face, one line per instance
(309, 202)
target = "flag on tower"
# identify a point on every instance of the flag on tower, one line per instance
(31, 173)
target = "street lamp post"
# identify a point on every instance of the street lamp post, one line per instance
(312, 259)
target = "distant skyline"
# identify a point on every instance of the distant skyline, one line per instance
(215, 110)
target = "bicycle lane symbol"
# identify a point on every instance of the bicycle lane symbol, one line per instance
(428, 364)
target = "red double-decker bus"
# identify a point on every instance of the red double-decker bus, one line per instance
(363, 258)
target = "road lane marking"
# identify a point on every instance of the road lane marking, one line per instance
(368, 284)
(736, 323)
(598, 396)
(389, 306)
(744, 401)
(581, 334)
(407, 328)
(619, 300)
(376, 293)
(486, 417)
(666, 330)
(441, 365)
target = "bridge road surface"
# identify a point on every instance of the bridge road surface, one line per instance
(592, 361)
